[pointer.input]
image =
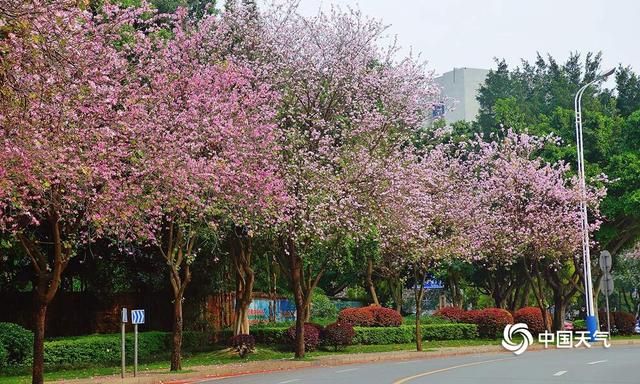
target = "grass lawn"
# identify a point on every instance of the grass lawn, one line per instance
(222, 356)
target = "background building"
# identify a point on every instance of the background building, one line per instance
(459, 91)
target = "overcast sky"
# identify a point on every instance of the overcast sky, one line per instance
(470, 33)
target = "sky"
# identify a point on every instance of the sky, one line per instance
(470, 33)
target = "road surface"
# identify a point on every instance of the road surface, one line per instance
(616, 365)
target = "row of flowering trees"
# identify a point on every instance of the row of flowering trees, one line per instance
(152, 130)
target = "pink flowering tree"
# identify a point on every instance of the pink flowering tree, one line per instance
(344, 100)
(424, 213)
(63, 138)
(530, 214)
(205, 148)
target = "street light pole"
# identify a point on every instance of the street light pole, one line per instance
(584, 224)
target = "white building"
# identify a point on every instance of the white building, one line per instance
(459, 92)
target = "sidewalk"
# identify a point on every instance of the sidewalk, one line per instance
(199, 373)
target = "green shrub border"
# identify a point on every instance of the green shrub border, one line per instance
(407, 333)
(105, 349)
(376, 335)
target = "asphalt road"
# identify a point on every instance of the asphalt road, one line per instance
(618, 364)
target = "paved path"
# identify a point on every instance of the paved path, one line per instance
(616, 365)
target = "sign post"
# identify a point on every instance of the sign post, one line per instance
(606, 284)
(123, 322)
(137, 317)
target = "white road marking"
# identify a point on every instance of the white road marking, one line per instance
(406, 379)
(406, 362)
(597, 362)
(559, 373)
(289, 381)
(347, 370)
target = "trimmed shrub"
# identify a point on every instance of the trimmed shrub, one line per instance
(532, 316)
(406, 333)
(87, 350)
(371, 316)
(384, 317)
(322, 306)
(625, 323)
(451, 313)
(311, 336)
(338, 335)
(357, 316)
(242, 344)
(3, 356)
(579, 325)
(318, 327)
(17, 343)
(382, 336)
(491, 322)
(471, 317)
(105, 349)
(194, 341)
(271, 335)
(425, 319)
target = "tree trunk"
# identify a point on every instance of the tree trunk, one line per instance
(46, 288)
(560, 307)
(179, 248)
(38, 343)
(454, 288)
(176, 364)
(273, 284)
(524, 299)
(418, 290)
(307, 312)
(498, 299)
(245, 277)
(296, 282)
(369, 279)
(302, 286)
(538, 293)
(418, 328)
(396, 291)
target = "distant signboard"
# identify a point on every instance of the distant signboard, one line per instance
(438, 111)
(433, 284)
(260, 310)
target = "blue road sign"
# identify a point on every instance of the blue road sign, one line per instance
(433, 284)
(137, 316)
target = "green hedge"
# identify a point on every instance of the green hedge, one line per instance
(406, 333)
(271, 335)
(579, 325)
(105, 349)
(17, 343)
(375, 335)
(411, 320)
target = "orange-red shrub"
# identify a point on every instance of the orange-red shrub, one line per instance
(451, 313)
(356, 316)
(532, 316)
(470, 317)
(491, 322)
(384, 317)
(371, 316)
